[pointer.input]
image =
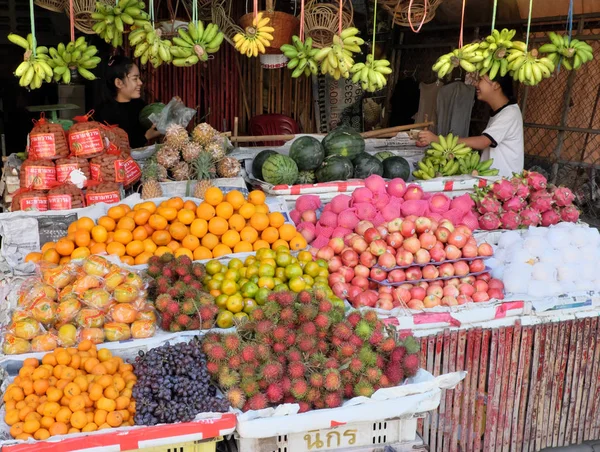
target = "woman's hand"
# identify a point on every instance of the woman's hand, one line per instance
(152, 133)
(426, 137)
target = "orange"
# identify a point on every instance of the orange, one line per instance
(242, 247)
(276, 219)
(77, 403)
(218, 226)
(260, 244)
(221, 250)
(82, 382)
(237, 222)
(16, 429)
(64, 415)
(108, 223)
(147, 205)
(199, 227)
(51, 255)
(205, 211)
(123, 236)
(99, 234)
(149, 245)
(270, 234)
(72, 227)
(62, 357)
(114, 419)
(141, 216)
(130, 214)
(12, 416)
(279, 242)
(33, 257)
(51, 408)
(110, 238)
(191, 242)
(31, 426)
(186, 216)
(127, 223)
(41, 386)
(158, 222)
(85, 223)
(249, 234)
(41, 434)
(90, 364)
(213, 196)
(95, 391)
(259, 221)
(106, 404)
(100, 416)
(122, 402)
(85, 345)
(149, 229)
(64, 247)
(262, 208)
(162, 250)
(184, 252)
(58, 428)
(230, 238)
(134, 248)
(79, 419)
(210, 241)
(203, 253)
(54, 394)
(224, 210)
(143, 258)
(90, 427)
(139, 233)
(173, 245)
(247, 210)
(47, 246)
(287, 232)
(190, 205)
(115, 248)
(298, 243)
(98, 248)
(117, 212)
(161, 237)
(178, 230)
(111, 393)
(235, 198)
(80, 253)
(176, 203)
(168, 212)
(72, 390)
(64, 260)
(257, 197)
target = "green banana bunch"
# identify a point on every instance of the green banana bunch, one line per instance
(112, 20)
(448, 148)
(473, 166)
(574, 53)
(337, 59)
(371, 74)
(195, 43)
(466, 57)
(75, 55)
(33, 71)
(495, 51)
(301, 56)
(149, 46)
(527, 68)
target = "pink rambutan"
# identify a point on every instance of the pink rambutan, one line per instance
(162, 301)
(322, 346)
(299, 388)
(294, 354)
(197, 285)
(212, 367)
(272, 372)
(325, 306)
(274, 393)
(236, 398)
(168, 272)
(290, 339)
(348, 390)
(372, 374)
(208, 312)
(316, 380)
(264, 327)
(173, 292)
(296, 369)
(304, 406)
(308, 328)
(376, 338)
(320, 294)
(333, 399)
(371, 317)
(287, 315)
(173, 308)
(284, 298)
(280, 333)
(346, 350)
(304, 297)
(258, 402)
(322, 322)
(394, 373)
(363, 388)
(216, 353)
(355, 340)
(354, 317)
(312, 395)
(305, 343)
(234, 362)
(307, 313)
(410, 365)
(257, 315)
(248, 353)
(279, 347)
(249, 386)
(336, 341)
(387, 345)
(231, 342)
(183, 320)
(194, 323)
(286, 384)
(332, 380)
(187, 279)
(398, 354)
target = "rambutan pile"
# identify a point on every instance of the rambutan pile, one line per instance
(178, 295)
(299, 348)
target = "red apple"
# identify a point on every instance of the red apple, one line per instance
(402, 294)
(377, 247)
(412, 218)
(385, 304)
(430, 272)
(325, 253)
(359, 244)
(395, 225)
(367, 298)
(350, 258)
(463, 299)
(447, 224)
(395, 239)
(309, 216)
(458, 239)
(480, 296)
(423, 284)
(422, 224)
(362, 227)
(485, 249)
(434, 226)
(461, 268)
(466, 289)
(495, 284)
(471, 241)
(437, 282)
(453, 282)
(451, 291)
(442, 234)
(465, 230)
(436, 291)
(348, 238)
(418, 293)
(476, 266)
(392, 251)
(371, 235)
(361, 270)
(340, 290)
(484, 277)
(437, 254)
(452, 252)
(385, 289)
(406, 286)
(480, 286)
(411, 244)
(360, 281)
(387, 261)
(427, 240)
(408, 228)
(378, 274)
(336, 244)
(335, 278)
(335, 263)
(469, 251)
(416, 304)
(353, 292)
(367, 259)
(449, 301)
(413, 274)
(496, 293)
(431, 301)
(422, 256)
(468, 280)
(397, 275)
(383, 231)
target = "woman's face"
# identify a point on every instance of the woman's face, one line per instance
(131, 86)
(485, 88)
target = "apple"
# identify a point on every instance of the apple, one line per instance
(449, 301)
(427, 240)
(348, 238)
(484, 276)
(418, 293)
(463, 299)
(453, 282)
(434, 226)
(371, 235)
(395, 239)
(340, 289)
(458, 239)
(408, 228)
(431, 301)
(451, 291)
(423, 284)
(402, 294)
(415, 304)
(468, 280)
(360, 281)
(367, 298)
(406, 286)
(452, 252)
(413, 274)
(469, 251)
(485, 249)
(377, 247)
(480, 296)
(335, 278)
(383, 231)
(480, 286)
(378, 274)
(395, 225)
(437, 282)
(392, 251)
(367, 259)
(353, 292)
(461, 268)
(442, 234)
(397, 275)
(435, 291)
(385, 289)
(362, 227)
(335, 263)
(325, 253)
(447, 270)
(464, 230)
(309, 216)
(430, 272)
(361, 270)
(359, 244)
(422, 256)
(422, 224)
(350, 258)
(496, 293)
(466, 289)
(412, 218)
(476, 266)
(447, 224)
(495, 284)
(387, 261)
(385, 304)
(437, 254)
(411, 244)
(336, 244)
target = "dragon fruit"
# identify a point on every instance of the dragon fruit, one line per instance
(510, 220)
(489, 221)
(340, 232)
(521, 187)
(515, 204)
(569, 214)
(530, 217)
(550, 217)
(503, 190)
(542, 203)
(295, 216)
(489, 205)
(563, 197)
(535, 180)
(413, 207)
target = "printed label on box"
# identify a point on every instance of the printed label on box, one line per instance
(119, 171)
(132, 171)
(95, 171)
(64, 170)
(40, 177)
(34, 203)
(86, 142)
(60, 202)
(42, 145)
(109, 198)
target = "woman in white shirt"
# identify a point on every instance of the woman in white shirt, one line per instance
(502, 139)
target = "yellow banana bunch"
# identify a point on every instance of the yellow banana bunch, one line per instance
(496, 49)
(33, 71)
(149, 46)
(466, 57)
(527, 68)
(302, 57)
(256, 38)
(574, 53)
(75, 55)
(337, 59)
(371, 74)
(111, 21)
(195, 43)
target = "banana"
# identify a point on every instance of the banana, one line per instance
(111, 21)
(253, 40)
(301, 55)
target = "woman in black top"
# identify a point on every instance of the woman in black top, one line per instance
(124, 104)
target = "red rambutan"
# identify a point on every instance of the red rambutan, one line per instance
(304, 406)
(356, 366)
(263, 384)
(286, 384)
(194, 323)
(236, 398)
(248, 370)
(258, 402)
(274, 393)
(284, 298)
(249, 386)
(319, 404)
(187, 279)
(305, 343)
(316, 380)
(394, 373)
(289, 399)
(162, 301)
(346, 350)
(296, 369)
(333, 399)
(294, 354)
(410, 365)
(279, 347)
(371, 317)
(173, 308)
(173, 292)
(342, 330)
(355, 340)
(332, 363)
(216, 353)
(313, 395)
(197, 285)
(272, 297)
(387, 345)
(263, 351)
(272, 371)
(325, 306)
(308, 328)
(306, 313)
(332, 380)
(248, 353)
(175, 327)
(166, 320)
(264, 327)
(231, 342)
(372, 374)
(322, 346)
(282, 359)
(346, 376)
(336, 341)
(168, 272)
(376, 338)
(384, 381)
(354, 317)
(398, 354)
(299, 388)
(187, 307)
(208, 312)
(257, 315)
(279, 333)
(322, 321)
(212, 367)
(198, 270)
(235, 362)
(348, 390)
(287, 315)
(183, 320)
(305, 297)
(290, 339)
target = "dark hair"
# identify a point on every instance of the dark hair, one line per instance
(507, 85)
(118, 67)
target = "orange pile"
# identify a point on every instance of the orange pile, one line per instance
(220, 225)
(73, 390)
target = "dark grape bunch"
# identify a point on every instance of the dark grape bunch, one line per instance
(173, 385)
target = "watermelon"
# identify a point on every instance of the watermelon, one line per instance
(365, 165)
(156, 107)
(396, 167)
(343, 141)
(308, 153)
(306, 177)
(280, 170)
(381, 156)
(259, 161)
(335, 167)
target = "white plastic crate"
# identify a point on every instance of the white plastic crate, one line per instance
(360, 436)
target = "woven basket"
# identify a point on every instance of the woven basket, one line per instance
(321, 21)
(285, 26)
(400, 13)
(58, 6)
(82, 10)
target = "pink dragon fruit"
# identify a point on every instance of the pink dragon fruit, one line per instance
(530, 217)
(470, 220)
(454, 215)
(489, 221)
(365, 210)
(489, 205)
(503, 190)
(413, 192)
(348, 219)
(439, 203)
(340, 202)
(563, 197)
(542, 203)
(569, 214)
(535, 180)
(515, 204)
(521, 187)
(320, 242)
(510, 220)
(462, 202)
(550, 217)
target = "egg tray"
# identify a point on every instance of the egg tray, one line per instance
(435, 264)
(417, 281)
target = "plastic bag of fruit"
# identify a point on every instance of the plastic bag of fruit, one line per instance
(47, 140)
(87, 138)
(32, 289)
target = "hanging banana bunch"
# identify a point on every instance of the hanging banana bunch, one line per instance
(149, 45)
(34, 70)
(195, 43)
(301, 56)
(75, 55)
(495, 50)
(466, 57)
(527, 68)
(371, 74)
(112, 20)
(256, 38)
(574, 53)
(337, 59)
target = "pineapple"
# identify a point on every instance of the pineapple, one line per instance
(203, 134)
(216, 150)
(150, 186)
(204, 170)
(167, 156)
(181, 171)
(190, 151)
(163, 174)
(176, 137)
(228, 167)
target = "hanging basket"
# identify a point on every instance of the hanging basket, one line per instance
(82, 12)
(58, 6)
(273, 61)
(321, 21)
(285, 26)
(401, 16)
